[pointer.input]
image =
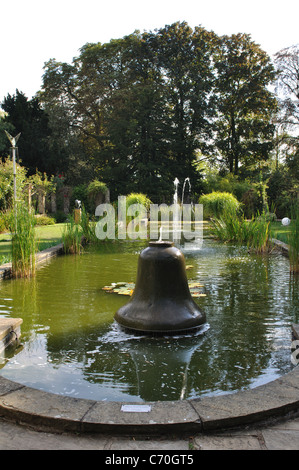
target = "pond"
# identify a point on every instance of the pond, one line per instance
(71, 345)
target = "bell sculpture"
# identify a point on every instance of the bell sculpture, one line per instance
(161, 302)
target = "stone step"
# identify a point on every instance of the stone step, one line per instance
(10, 332)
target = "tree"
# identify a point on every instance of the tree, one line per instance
(184, 59)
(287, 86)
(243, 129)
(139, 105)
(7, 183)
(287, 64)
(4, 142)
(30, 119)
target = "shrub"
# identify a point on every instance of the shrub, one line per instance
(4, 222)
(96, 187)
(216, 203)
(138, 198)
(80, 193)
(44, 220)
(60, 217)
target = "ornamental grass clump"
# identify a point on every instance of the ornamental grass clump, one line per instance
(217, 204)
(232, 227)
(258, 234)
(88, 227)
(72, 236)
(23, 243)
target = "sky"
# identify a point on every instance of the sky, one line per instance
(34, 31)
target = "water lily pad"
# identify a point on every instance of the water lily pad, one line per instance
(127, 288)
(194, 284)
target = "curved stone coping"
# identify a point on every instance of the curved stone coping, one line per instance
(34, 407)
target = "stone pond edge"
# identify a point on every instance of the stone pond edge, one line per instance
(60, 413)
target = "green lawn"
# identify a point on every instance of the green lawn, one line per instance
(47, 235)
(280, 232)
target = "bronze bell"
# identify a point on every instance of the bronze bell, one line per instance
(161, 301)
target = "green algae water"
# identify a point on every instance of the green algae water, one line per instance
(71, 345)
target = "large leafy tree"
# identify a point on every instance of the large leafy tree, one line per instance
(90, 93)
(184, 60)
(27, 116)
(134, 120)
(140, 105)
(142, 108)
(243, 129)
(287, 64)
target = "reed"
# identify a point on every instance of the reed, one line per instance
(258, 234)
(72, 236)
(254, 233)
(88, 227)
(23, 243)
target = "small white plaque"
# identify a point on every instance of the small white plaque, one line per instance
(136, 408)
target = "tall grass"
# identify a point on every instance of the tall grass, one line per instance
(88, 227)
(258, 235)
(23, 243)
(254, 233)
(293, 240)
(72, 236)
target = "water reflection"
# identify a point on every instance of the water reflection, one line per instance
(72, 346)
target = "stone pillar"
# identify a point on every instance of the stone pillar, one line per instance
(107, 196)
(77, 216)
(67, 192)
(53, 203)
(41, 202)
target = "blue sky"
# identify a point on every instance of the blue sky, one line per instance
(33, 31)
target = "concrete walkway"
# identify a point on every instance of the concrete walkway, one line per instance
(264, 418)
(282, 435)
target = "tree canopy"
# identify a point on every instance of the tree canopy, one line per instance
(141, 110)
(36, 147)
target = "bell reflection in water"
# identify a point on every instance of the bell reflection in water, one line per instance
(161, 369)
(161, 302)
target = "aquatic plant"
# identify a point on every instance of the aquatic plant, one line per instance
(232, 227)
(72, 237)
(23, 244)
(88, 227)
